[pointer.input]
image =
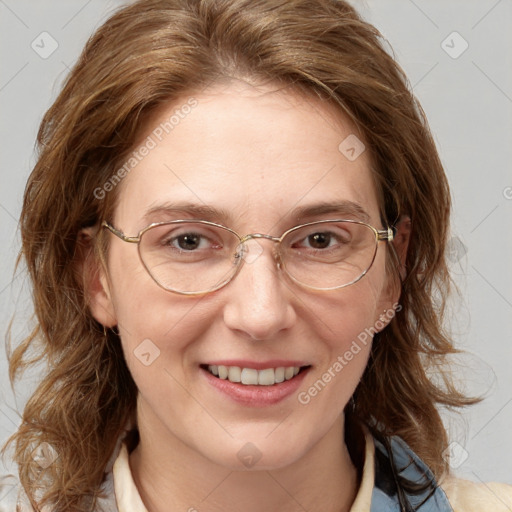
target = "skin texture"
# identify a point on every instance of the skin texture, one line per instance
(257, 153)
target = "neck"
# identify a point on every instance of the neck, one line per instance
(171, 476)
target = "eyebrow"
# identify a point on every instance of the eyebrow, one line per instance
(188, 210)
(340, 209)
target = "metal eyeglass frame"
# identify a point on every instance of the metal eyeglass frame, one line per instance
(384, 235)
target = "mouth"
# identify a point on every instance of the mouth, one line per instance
(255, 384)
(253, 376)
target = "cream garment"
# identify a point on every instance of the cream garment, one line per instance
(463, 495)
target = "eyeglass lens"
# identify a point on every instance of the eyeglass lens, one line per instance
(196, 257)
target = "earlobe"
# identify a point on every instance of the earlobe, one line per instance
(95, 281)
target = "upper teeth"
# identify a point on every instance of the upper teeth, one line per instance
(250, 376)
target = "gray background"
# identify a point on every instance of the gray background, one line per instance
(468, 99)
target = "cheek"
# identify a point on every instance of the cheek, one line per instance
(168, 322)
(346, 322)
(349, 337)
(143, 309)
(155, 326)
(342, 315)
(156, 335)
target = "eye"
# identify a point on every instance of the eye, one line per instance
(321, 240)
(188, 242)
(180, 240)
(169, 248)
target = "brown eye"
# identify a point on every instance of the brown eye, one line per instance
(319, 240)
(187, 242)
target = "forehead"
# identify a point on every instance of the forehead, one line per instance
(259, 155)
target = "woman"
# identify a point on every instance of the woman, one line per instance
(236, 232)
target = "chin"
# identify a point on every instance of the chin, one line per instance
(256, 453)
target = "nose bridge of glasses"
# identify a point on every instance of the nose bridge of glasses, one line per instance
(258, 235)
(251, 252)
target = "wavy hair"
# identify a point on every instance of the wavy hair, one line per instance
(152, 52)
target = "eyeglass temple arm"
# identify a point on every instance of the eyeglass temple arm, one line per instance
(386, 234)
(120, 234)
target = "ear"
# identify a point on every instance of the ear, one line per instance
(95, 280)
(401, 242)
(389, 300)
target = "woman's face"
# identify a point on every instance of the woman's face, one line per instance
(257, 157)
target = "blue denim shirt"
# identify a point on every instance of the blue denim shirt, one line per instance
(403, 482)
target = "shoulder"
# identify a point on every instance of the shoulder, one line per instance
(401, 477)
(106, 502)
(13, 497)
(467, 496)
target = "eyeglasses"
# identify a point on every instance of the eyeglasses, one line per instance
(193, 257)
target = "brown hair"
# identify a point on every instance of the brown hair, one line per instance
(152, 52)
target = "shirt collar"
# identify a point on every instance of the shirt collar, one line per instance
(127, 495)
(128, 498)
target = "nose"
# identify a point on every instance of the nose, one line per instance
(258, 300)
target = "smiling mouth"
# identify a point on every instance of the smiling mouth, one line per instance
(253, 377)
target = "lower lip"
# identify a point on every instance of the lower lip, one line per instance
(256, 396)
